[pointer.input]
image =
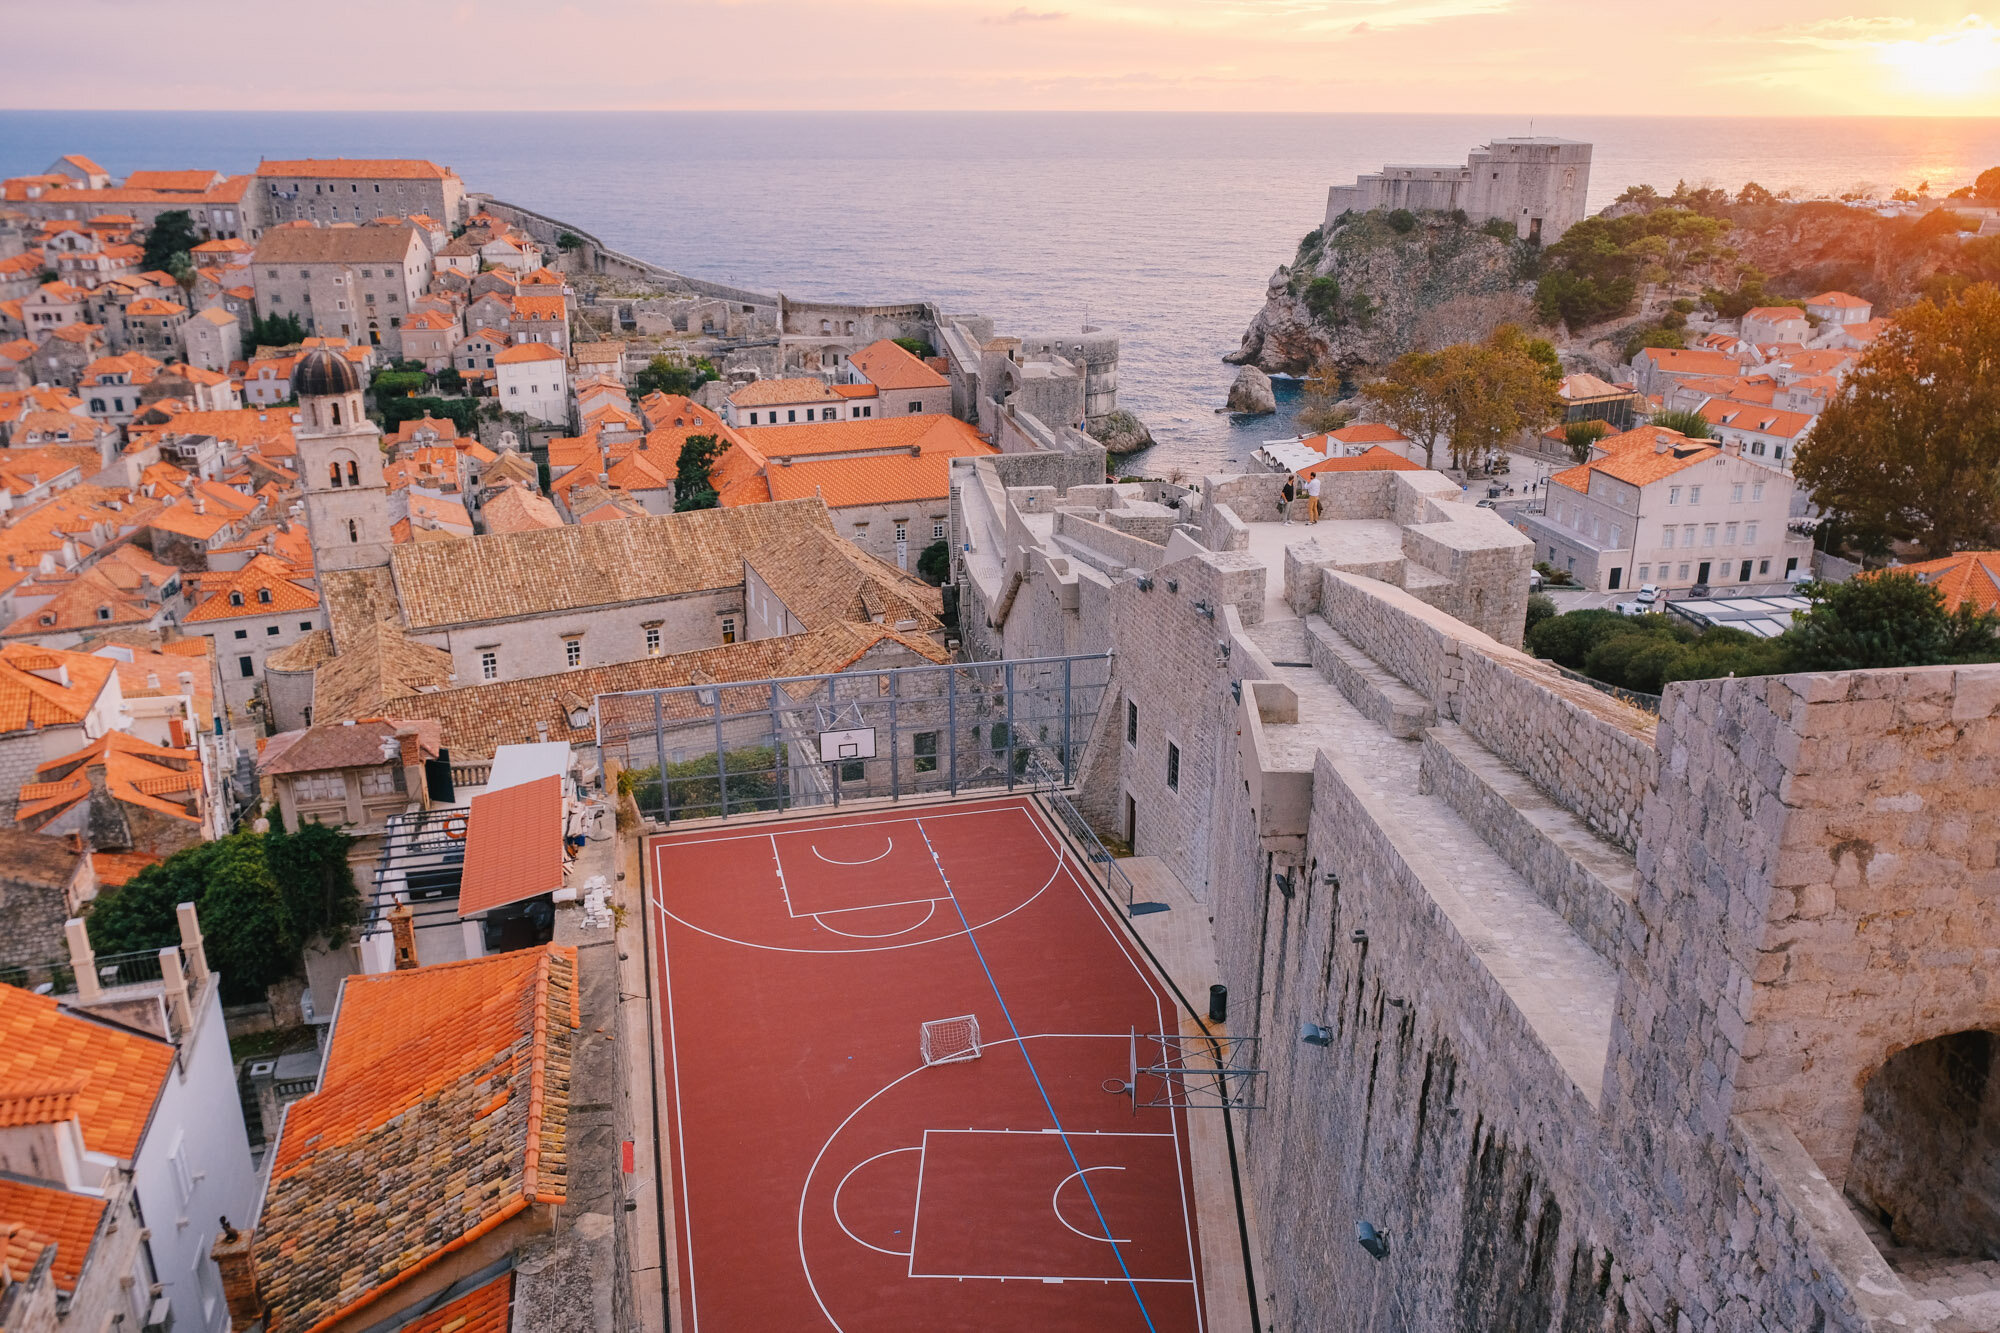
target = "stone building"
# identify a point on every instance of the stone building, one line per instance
(1537, 185)
(44, 881)
(353, 283)
(1606, 1020)
(341, 189)
(212, 339)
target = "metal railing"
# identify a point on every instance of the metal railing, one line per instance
(128, 969)
(1649, 702)
(1051, 789)
(730, 748)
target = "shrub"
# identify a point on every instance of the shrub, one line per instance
(1541, 607)
(1322, 298)
(1655, 335)
(1402, 220)
(1685, 420)
(1569, 638)
(1500, 229)
(934, 563)
(1580, 435)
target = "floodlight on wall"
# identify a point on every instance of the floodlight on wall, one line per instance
(1333, 880)
(1205, 610)
(1222, 646)
(1173, 585)
(1145, 583)
(1373, 1241)
(1236, 696)
(1312, 1034)
(1359, 936)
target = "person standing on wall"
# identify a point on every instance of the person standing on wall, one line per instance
(1312, 498)
(1285, 500)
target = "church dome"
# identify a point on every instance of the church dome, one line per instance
(323, 372)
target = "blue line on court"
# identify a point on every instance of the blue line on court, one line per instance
(1019, 1041)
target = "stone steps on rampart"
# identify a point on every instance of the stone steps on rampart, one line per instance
(1561, 986)
(1378, 694)
(1591, 882)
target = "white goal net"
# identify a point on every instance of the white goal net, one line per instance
(946, 1041)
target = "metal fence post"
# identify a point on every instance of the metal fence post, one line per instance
(1066, 715)
(781, 763)
(895, 694)
(721, 761)
(660, 755)
(1009, 679)
(951, 719)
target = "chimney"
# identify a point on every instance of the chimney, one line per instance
(82, 960)
(192, 948)
(403, 928)
(237, 1261)
(152, 680)
(180, 1013)
(1662, 443)
(410, 754)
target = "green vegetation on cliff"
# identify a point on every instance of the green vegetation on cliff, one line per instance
(1595, 271)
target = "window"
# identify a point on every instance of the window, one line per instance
(353, 531)
(753, 418)
(489, 665)
(1756, 490)
(902, 533)
(1684, 571)
(264, 596)
(916, 407)
(1173, 766)
(937, 532)
(1708, 535)
(1645, 572)
(1736, 494)
(1687, 534)
(381, 781)
(1667, 537)
(1673, 495)
(652, 640)
(243, 634)
(270, 630)
(1749, 533)
(305, 626)
(319, 787)
(235, 598)
(183, 1177)
(729, 629)
(791, 414)
(246, 667)
(573, 652)
(925, 744)
(1694, 495)
(1729, 535)
(1763, 566)
(1131, 722)
(1617, 536)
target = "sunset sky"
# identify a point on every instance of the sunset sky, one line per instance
(1709, 57)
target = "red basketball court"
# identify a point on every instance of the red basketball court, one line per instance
(824, 1175)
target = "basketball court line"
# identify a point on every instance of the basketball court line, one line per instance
(1000, 999)
(784, 888)
(868, 862)
(1085, 886)
(1005, 804)
(898, 1254)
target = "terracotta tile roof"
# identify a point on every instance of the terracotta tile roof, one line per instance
(264, 574)
(516, 509)
(354, 168)
(1685, 361)
(1755, 417)
(1837, 299)
(34, 858)
(134, 676)
(1639, 457)
(30, 699)
(131, 775)
(486, 1309)
(36, 1106)
(513, 846)
(1773, 312)
(115, 1072)
(1969, 576)
(117, 868)
(887, 366)
(34, 1217)
(572, 569)
(149, 305)
(336, 245)
(879, 479)
(423, 1136)
(887, 461)
(524, 352)
(538, 306)
(304, 653)
(352, 744)
(1867, 331)
(478, 718)
(376, 662)
(855, 390)
(1375, 459)
(264, 430)
(765, 393)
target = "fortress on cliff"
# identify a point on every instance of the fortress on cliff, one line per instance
(1539, 185)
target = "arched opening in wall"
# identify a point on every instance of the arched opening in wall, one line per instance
(1926, 1163)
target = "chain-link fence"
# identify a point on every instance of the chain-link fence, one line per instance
(702, 751)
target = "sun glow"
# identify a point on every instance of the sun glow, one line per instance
(1963, 62)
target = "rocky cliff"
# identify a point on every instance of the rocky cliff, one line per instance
(1805, 249)
(1372, 290)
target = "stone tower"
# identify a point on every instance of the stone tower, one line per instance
(340, 462)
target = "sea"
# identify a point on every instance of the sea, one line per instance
(1161, 227)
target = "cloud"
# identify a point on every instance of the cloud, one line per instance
(1026, 15)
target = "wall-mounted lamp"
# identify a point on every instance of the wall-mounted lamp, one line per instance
(1173, 585)
(1204, 609)
(1312, 1034)
(1373, 1241)
(1145, 583)
(1332, 879)
(1284, 882)
(1359, 937)
(1236, 696)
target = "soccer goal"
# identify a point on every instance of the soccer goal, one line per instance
(946, 1041)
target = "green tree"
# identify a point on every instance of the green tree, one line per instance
(569, 240)
(449, 381)
(1320, 409)
(397, 383)
(1890, 619)
(462, 411)
(1593, 273)
(1322, 297)
(1541, 607)
(315, 881)
(172, 233)
(1685, 420)
(916, 347)
(1755, 194)
(1496, 389)
(274, 331)
(1986, 188)
(1410, 396)
(1402, 220)
(692, 487)
(1910, 449)
(1653, 335)
(1581, 435)
(934, 563)
(249, 934)
(664, 376)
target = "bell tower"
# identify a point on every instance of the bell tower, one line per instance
(340, 465)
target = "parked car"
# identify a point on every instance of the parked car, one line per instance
(1634, 608)
(1649, 593)
(1486, 504)
(1534, 580)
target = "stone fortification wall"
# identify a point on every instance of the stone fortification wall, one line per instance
(597, 257)
(1589, 752)
(1125, 550)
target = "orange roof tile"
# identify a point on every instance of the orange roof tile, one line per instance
(1639, 457)
(265, 586)
(1685, 361)
(354, 168)
(1375, 459)
(116, 1073)
(1967, 577)
(763, 393)
(513, 846)
(485, 1309)
(29, 698)
(130, 776)
(1837, 299)
(465, 1112)
(887, 366)
(117, 868)
(34, 1217)
(1755, 417)
(524, 352)
(1771, 312)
